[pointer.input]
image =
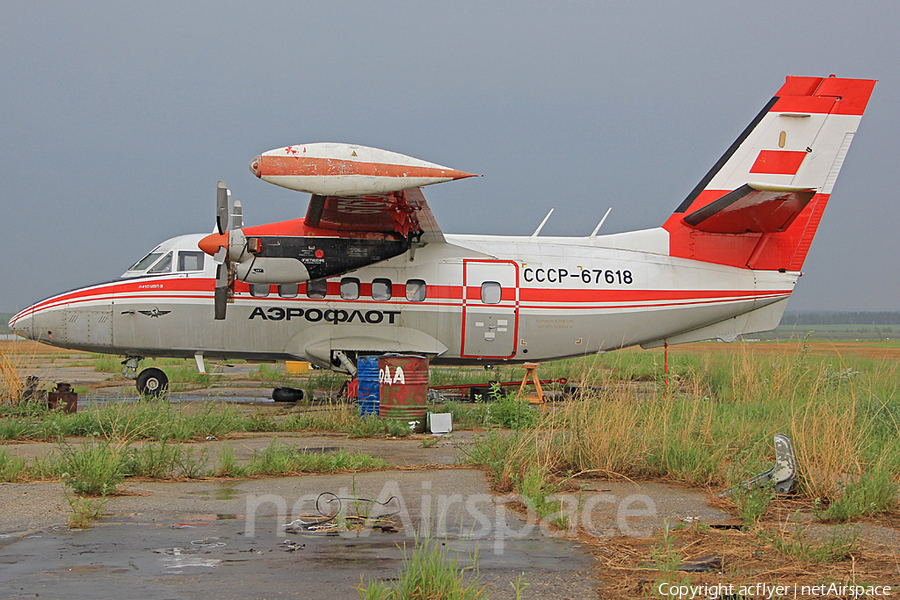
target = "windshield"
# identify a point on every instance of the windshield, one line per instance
(163, 266)
(145, 262)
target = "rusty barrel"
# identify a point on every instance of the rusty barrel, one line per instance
(367, 375)
(63, 398)
(403, 388)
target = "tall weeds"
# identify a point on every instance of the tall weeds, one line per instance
(713, 423)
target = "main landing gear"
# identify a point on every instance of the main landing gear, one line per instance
(149, 382)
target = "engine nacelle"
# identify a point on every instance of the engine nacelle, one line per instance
(281, 259)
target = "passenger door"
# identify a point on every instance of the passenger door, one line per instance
(490, 308)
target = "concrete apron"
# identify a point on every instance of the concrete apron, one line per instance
(226, 539)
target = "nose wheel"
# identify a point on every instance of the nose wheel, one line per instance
(152, 382)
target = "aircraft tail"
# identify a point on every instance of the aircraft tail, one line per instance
(761, 203)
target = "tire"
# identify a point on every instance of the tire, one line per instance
(286, 394)
(152, 382)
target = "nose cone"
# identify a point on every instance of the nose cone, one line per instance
(254, 166)
(23, 324)
(211, 243)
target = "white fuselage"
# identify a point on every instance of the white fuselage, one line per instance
(474, 299)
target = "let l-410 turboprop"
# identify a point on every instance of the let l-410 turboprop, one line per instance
(368, 270)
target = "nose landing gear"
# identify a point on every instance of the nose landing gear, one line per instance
(152, 382)
(149, 382)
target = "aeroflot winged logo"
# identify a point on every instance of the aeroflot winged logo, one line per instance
(155, 313)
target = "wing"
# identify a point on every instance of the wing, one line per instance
(752, 208)
(404, 212)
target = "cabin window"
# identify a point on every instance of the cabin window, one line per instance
(259, 290)
(288, 290)
(163, 266)
(316, 289)
(145, 262)
(415, 290)
(381, 289)
(190, 261)
(490, 292)
(349, 288)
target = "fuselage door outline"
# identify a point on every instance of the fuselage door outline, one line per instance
(490, 330)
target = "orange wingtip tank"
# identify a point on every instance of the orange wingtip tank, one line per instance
(334, 169)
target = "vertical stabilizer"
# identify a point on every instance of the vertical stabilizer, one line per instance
(761, 203)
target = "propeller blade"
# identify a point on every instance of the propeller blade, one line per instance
(220, 256)
(222, 194)
(221, 295)
(237, 215)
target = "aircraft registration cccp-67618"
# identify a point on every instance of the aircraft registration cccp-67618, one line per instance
(369, 271)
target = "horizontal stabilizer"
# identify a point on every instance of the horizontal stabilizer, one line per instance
(752, 208)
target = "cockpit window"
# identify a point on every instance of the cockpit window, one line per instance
(163, 266)
(190, 260)
(145, 262)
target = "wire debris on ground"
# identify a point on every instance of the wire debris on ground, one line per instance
(334, 518)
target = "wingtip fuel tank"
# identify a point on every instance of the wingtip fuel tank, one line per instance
(336, 169)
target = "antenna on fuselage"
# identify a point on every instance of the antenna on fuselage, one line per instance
(541, 226)
(600, 224)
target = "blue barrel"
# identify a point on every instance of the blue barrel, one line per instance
(367, 374)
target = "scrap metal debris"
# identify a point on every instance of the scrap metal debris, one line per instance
(338, 514)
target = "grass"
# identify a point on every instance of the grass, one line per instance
(160, 420)
(717, 418)
(160, 460)
(507, 411)
(12, 468)
(871, 493)
(85, 511)
(155, 419)
(280, 459)
(429, 572)
(712, 427)
(839, 545)
(98, 467)
(266, 372)
(666, 557)
(752, 502)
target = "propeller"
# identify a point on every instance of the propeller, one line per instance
(222, 195)
(224, 291)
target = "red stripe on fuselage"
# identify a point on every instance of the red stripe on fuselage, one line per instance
(437, 295)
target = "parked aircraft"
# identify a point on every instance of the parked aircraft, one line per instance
(368, 270)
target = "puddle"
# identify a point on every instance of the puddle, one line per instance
(220, 493)
(189, 518)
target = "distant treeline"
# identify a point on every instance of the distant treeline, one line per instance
(840, 318)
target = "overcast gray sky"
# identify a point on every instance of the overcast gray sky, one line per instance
(118, 118)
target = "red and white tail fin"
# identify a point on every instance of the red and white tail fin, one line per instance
(760, 204)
